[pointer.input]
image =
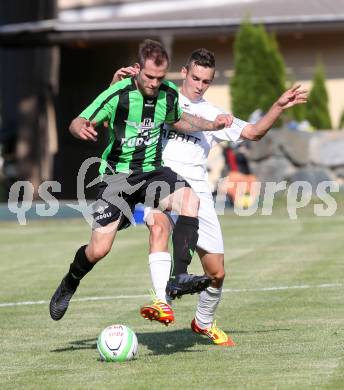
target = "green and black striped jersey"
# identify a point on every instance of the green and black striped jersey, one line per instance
(135, 124)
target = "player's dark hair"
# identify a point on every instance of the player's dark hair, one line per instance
(152, 50)
(201, 57)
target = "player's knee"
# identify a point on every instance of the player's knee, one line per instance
(195, 202)
(159, 232)
(220, 275)
(158, 239)
(218, 278)
(193, 198)
(96, 253)
(190, 204)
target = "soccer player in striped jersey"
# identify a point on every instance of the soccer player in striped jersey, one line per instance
(132, 172)
(187, 154)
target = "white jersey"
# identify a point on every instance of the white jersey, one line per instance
(187, 153)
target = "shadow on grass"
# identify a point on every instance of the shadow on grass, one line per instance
(165, 342)
(169, 342)
(159, 343)
(78, 345)
(253, 331)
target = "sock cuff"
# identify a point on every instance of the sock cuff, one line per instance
(202, 326)
(183, 219)
(82, 260)
(159, 256)
(214, 290)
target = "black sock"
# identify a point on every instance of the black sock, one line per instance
(78, 269)
(184, 239)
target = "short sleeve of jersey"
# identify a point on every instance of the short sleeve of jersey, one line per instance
(104, 105)
(174, 116)
(173, 110)
(231, 133)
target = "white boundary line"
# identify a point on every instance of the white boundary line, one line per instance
(279, 288)
(226, 290)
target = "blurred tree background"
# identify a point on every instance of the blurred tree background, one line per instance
(317, 108)
(341, 121)
(259, 70)
(260, 78)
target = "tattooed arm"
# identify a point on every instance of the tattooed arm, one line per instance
(189, 123)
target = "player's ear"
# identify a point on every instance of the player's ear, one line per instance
(184, 72)
(137, 66)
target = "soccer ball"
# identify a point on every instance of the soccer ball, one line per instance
(117, 343)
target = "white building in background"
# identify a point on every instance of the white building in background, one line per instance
(87, 40)
(305, 31)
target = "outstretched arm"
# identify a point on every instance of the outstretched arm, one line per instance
(82, 128)
(290, 98)
(189, 123)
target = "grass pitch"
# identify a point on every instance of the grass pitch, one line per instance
(282, 304)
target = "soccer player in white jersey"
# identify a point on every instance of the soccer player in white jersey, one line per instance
(187, 155)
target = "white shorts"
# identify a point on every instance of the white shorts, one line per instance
(209, 232)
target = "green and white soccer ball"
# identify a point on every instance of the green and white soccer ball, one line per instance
(117, 343)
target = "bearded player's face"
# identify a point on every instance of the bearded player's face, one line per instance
(150, 77)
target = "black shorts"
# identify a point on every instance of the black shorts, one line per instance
(119, 193)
